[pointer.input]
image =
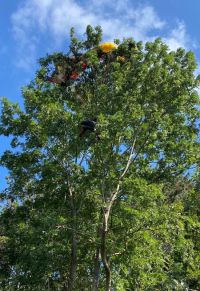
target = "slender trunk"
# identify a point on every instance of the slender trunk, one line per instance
(70, 283)
(73, 264)
(105, 258)
(97, 259)
(106, 215)
(104, 226)
(95, 283)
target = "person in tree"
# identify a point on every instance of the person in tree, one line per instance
(88, 125)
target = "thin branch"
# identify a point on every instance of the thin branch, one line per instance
(114, 194)
(129, 161)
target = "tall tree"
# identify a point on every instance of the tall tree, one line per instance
(106, 131)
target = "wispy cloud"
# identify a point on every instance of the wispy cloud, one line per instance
(178, 37)
(34, 19)
(117, 18)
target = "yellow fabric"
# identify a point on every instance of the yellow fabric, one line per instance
(108, 47)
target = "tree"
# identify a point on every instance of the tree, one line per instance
(93, 211)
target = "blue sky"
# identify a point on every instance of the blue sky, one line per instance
(31, 28)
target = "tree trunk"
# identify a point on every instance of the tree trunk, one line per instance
(96, 271)
(73, 264)
(70, 283)
(104, 228)
(105, 258)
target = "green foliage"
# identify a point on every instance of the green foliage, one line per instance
(61, 185)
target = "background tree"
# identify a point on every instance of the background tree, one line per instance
(113, 208)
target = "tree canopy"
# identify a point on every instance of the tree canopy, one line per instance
(103, 186)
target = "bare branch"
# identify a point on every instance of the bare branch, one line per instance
(129, 160)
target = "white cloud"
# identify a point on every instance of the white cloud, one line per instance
(25, 48)
(146, 18)
(178, 37)
(118, 19)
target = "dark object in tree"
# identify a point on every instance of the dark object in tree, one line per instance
(59, 79)
(132, 46)
(88, 125)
